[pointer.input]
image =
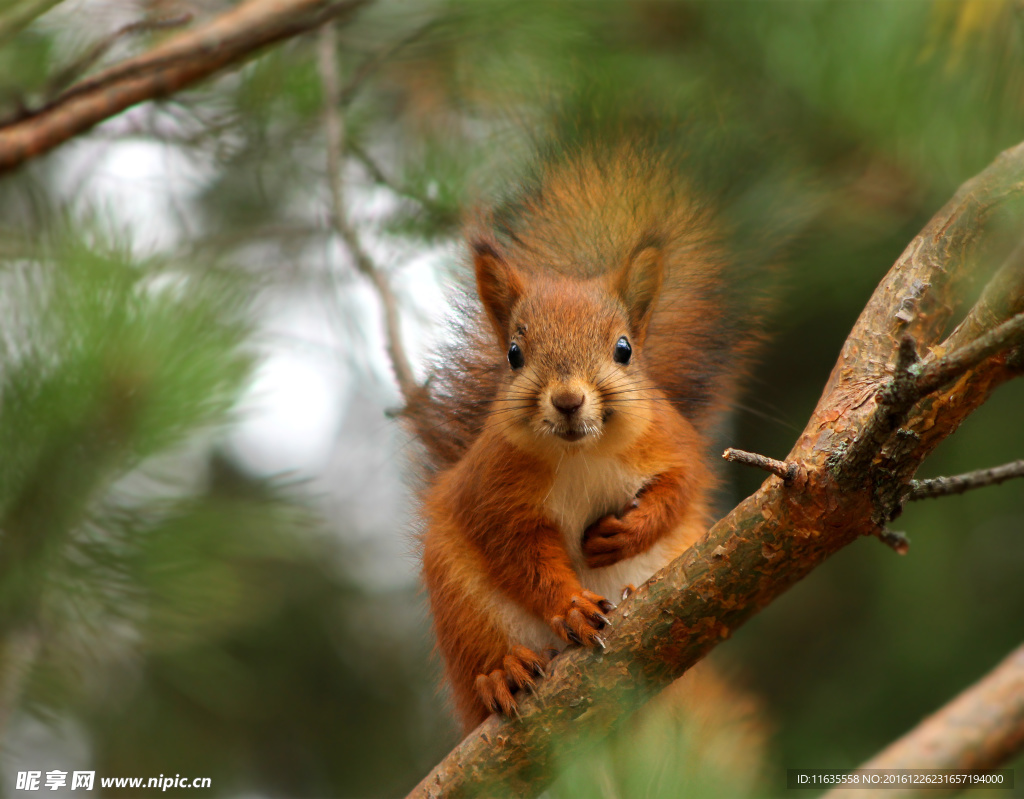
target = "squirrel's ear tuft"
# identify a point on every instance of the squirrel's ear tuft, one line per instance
(499, 286)
(638, 284)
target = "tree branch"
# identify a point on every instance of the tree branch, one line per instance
(787, 471)
(978, 731)
(959, 483)
(334, 124)
(773, 538)
(936, 373)
(167, 68)
(81, 65)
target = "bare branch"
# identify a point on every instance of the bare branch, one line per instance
(787, 471)
(959, 483)
(334, 124)
(978, 731)
(193, 55)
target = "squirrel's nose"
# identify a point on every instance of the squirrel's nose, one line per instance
(567, 400)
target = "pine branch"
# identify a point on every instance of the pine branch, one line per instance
(779, 534)
(169, 67)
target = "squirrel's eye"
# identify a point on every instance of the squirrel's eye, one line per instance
(515, 356)
(623, 352)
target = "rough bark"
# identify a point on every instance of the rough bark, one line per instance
(167, 68)
(877, 419)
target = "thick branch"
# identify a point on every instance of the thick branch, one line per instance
(167, 68)
(770, 541)
(978, 731)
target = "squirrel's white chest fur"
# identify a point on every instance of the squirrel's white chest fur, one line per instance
(587, 487)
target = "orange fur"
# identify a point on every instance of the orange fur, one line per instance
(561, 470)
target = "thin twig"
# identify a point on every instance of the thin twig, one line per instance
(959, 483)
(440, 215)
(373, 63)
(335, 128)
(787, 471)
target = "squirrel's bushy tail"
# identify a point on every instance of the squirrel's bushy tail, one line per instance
(584, 211)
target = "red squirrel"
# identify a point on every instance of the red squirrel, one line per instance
(566, 430)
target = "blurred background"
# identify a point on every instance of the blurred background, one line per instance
(207, 557)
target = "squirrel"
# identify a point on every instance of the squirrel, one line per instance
(566, 431)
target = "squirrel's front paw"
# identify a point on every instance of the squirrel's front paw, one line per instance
(609, 540)
(583, 619)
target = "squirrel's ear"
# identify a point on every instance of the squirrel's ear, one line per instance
(637, 285)
(499, 286)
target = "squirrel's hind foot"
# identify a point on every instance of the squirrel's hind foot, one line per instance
(520, 669)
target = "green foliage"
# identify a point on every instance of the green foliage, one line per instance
(106, 362)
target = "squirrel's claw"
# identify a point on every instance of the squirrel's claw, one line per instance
(494, 692)
(582, 619)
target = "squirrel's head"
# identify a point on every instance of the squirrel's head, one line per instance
(574, 350)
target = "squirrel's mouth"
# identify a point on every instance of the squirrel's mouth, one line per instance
(571, 435)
